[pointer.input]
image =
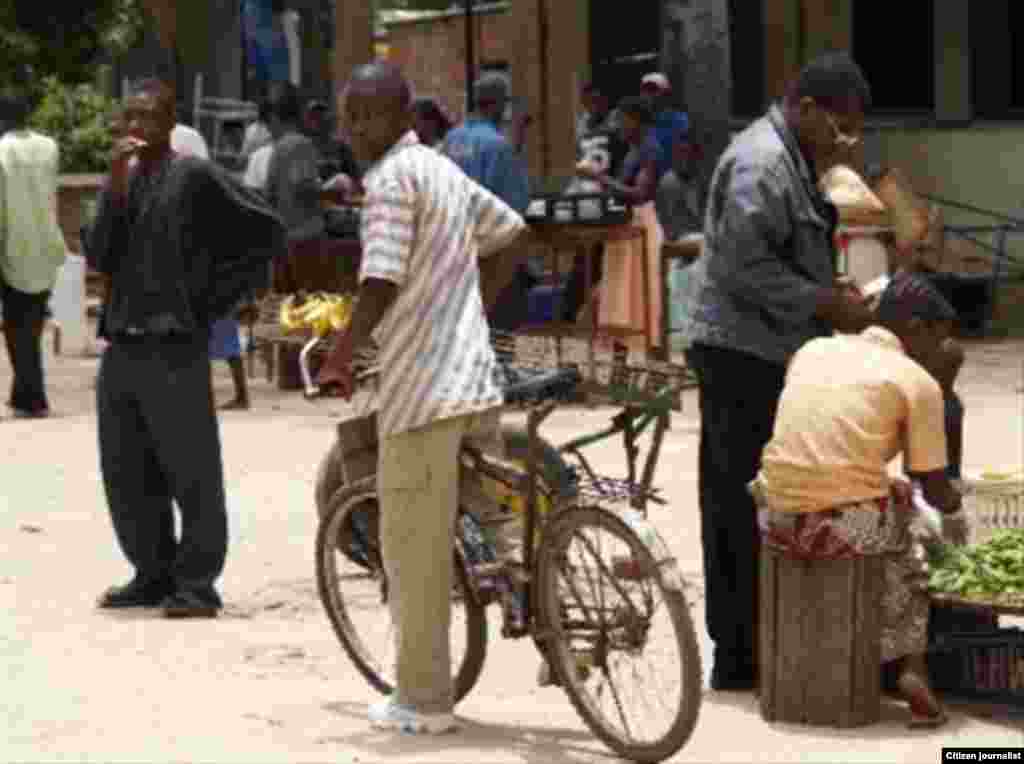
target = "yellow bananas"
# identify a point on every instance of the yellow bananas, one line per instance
(321, 313)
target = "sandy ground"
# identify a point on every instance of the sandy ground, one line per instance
(268, 682)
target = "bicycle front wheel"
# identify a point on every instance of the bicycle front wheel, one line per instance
(354, 591)
(617, 631)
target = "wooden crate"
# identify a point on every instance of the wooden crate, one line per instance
(820, 628)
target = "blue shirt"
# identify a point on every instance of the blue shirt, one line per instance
(669, 126)
(486, 156)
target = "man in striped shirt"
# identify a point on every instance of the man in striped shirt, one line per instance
(428, 236)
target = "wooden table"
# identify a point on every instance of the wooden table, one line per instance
(587, 240)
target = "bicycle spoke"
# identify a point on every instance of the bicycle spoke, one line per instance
(635, 678)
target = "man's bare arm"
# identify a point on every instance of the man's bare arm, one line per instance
(499, 269)
(373, 300)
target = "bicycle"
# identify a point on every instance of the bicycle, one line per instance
(586, 590)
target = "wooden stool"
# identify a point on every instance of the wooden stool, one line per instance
(820, 634)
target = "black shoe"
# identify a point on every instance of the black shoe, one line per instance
(191, 605)
(136, 593)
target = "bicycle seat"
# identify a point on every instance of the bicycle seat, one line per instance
(521, 387)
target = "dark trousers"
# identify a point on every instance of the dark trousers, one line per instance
(739, 396)
(954, 433)
(159, 442)
(24, 316)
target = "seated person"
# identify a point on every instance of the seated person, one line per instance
(677, 199)
(944, 364)
(851, 404)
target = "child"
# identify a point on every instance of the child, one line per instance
(225, 345)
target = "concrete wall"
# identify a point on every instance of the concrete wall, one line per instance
(981, 166)
(546, 46)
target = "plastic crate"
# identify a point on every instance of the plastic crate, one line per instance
(987, 665)
(994, 504)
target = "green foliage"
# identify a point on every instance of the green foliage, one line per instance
(68, 39)
(995, 567)
(78, 118)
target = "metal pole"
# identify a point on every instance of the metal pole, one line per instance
(470, 55)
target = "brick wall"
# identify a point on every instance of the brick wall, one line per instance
(432, 52)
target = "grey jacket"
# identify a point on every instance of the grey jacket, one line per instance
(768, 248)
(293, 186)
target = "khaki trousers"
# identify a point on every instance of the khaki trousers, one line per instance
(419, 486)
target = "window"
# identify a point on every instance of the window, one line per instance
(997, 59)
(746, 49)
(894, 43)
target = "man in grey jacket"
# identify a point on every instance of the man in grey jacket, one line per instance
(765, 284)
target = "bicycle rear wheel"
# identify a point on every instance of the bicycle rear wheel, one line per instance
(617, 631)
(353, 589)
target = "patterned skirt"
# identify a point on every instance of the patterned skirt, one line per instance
(876, 527)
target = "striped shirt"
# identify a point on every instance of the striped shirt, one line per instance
(424, 225)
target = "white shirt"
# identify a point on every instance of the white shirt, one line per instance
(188, 141)
(424, 225)
(31, 243)
(258, 166)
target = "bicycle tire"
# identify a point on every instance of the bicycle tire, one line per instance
(346, 500)
(549, 610)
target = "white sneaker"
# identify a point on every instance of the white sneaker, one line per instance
(387, 715)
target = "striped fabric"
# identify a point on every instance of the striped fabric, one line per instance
(424, 225)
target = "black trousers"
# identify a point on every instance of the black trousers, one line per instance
(24, 315)
(160, 443)
(739, 397)
(954, 433)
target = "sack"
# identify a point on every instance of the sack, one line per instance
(909, 214)
(856, 202)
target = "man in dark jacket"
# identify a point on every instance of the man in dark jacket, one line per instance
(181, 244)
(764, 285)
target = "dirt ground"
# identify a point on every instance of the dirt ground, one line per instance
(268, 681)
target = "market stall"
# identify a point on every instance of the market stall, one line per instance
(306, 290)
(977, 586)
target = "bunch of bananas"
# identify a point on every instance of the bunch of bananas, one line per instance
(320, 312)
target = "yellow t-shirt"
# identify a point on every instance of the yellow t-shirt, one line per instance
(851, 404)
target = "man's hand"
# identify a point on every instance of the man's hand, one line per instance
(120, 160)
(846, 313)
(902, 493)
(335, 377)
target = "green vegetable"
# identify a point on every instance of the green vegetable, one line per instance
(995, 567)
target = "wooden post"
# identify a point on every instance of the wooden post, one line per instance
(820, 651)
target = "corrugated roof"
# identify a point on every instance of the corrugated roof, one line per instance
(395, 16)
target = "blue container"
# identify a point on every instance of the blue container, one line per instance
(544, 303)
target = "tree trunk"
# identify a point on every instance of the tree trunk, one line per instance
(696, 56)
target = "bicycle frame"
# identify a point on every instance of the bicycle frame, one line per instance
(655, 411)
